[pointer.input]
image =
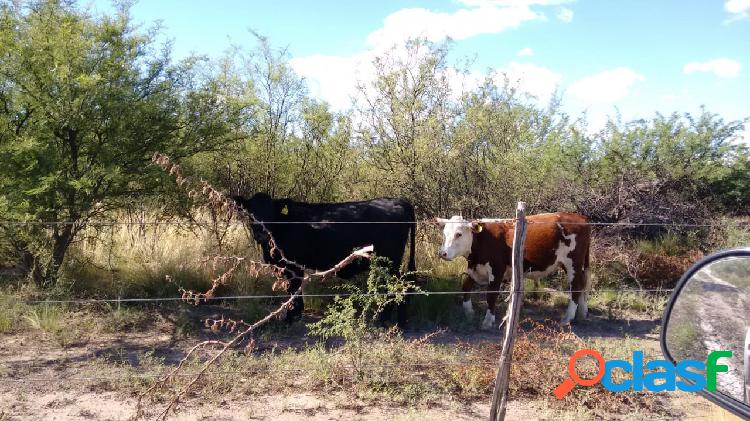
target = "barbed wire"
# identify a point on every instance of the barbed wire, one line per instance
(420, 222)
(331, 295)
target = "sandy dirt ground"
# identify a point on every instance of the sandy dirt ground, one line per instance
(41, 381)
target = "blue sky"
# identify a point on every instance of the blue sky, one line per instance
(635, 56)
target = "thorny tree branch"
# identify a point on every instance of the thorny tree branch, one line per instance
(218, 200)
(365, 252)
(250, 267)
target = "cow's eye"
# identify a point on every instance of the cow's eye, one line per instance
(458, 234)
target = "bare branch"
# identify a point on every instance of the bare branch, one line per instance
(218, 200)
(365, 252)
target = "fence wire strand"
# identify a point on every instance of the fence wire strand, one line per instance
(419, 222)
(332, 295)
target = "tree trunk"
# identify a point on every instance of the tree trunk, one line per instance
(31, 267)
(61, 243)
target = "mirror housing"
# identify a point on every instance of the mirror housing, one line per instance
(699, 323)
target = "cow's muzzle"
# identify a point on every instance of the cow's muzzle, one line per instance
(443, 255)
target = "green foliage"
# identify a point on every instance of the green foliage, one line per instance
(731, 234)
(121, 318)
(669, 244)
(287, 144)
(699, 152)
(351, 316)
(84, 103)
(62, 325)
(11, 311)
(86, 99)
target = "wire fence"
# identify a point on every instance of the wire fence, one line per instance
(359, 222)
(333, 295)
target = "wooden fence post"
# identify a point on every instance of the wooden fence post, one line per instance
(500, 394)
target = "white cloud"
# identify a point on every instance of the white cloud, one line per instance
(721, 67)
(737, 6)
(331, 78)
(514, 3)
(436, 26)
(537, 81)
(738, 10)
(565, 15)
(334, 78)
(606, 87)
(524, 52)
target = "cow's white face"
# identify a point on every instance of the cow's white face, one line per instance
(457, 237)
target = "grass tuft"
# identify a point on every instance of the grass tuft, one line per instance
(11, 313)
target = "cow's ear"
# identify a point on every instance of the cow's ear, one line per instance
(477, 227)
(441, 222)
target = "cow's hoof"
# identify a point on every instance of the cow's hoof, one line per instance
(582, 313)
(468, 309)
(570, 313)
(489, 320)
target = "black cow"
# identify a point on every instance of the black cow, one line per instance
(325, 241)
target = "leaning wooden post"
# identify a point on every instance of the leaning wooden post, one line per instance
(500, 394)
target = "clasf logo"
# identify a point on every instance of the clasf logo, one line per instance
(654, 381)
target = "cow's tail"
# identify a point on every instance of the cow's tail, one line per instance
(412, 266)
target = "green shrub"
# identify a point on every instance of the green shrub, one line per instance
(11, 312)
(669, 244)
(65, 327)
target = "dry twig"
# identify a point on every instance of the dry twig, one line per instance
(218, 200)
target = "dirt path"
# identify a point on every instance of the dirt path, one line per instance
(722, 326)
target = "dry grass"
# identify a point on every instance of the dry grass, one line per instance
(134, 260)
(65, 327)
(541, 356)
(11, 313)
(394, 371)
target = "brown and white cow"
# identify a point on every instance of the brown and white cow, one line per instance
(553, 240)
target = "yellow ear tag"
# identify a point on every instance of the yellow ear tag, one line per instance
(285, 210)
(477, 228)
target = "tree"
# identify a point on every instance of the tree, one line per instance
(84, 103)
(406, 118)
(288, 144)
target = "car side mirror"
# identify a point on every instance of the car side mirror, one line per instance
(708, 311)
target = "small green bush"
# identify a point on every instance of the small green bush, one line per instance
(11, 312)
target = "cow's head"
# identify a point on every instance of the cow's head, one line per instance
(458, 235)
(261, 206)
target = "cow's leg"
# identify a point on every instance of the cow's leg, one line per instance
(489, 316)
(402, 311)
(579, 283)
(467, 286)
(298, 304)
(570, 312)
(583, 284)
(402, 308)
